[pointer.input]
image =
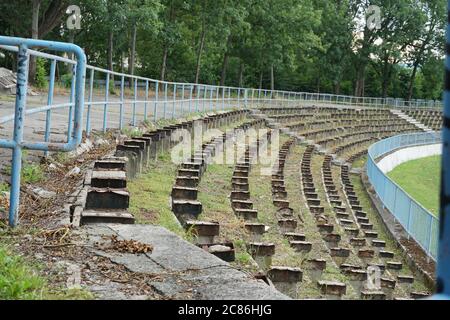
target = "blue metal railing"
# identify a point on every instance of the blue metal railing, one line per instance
(17, 144)
(420, 224)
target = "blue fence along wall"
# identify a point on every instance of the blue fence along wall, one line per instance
(420, 224)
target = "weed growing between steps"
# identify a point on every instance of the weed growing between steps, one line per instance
(214, 194)
(149, 202)
(360, 162)
(309, 289)
(150, 193)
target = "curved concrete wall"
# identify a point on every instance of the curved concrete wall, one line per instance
(389, 162)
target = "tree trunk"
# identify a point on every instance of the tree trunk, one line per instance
(133, 50)
(122, 66)
(359, 87)
(163, 65)
(272, 78)
(224, 69)
(199, 53)
(225, 63)
(71, 40)
(411, 81)
(387, 70)
(337, 87)
(241, 74)
(111, 52)
(171, 19)
(34, 35)
(260, 79)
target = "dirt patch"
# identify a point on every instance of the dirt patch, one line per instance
(417, 254)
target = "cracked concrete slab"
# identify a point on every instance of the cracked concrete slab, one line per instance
(183, 266)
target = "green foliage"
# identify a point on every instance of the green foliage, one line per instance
(41, 72)
(310, 45)
(32, 173)
(18, 281)
(66, 80)
(4, 187)
(132, 132)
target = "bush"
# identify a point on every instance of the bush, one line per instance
(41, 73)
(66, 80)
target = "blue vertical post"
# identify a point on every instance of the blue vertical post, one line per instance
(253, 97)
(197, 101)
(174, 100)
(204, 98)
(146, 100)
(122, 90)
(210, 98)
(443, 266)
(239, 98)
(51, 89)
(223, 98)
(21, 101)
(245, 98)
(217, 98)
(190, 98)
(229, 98)
(91, 94)
(155, 109)
(165, 99)
(182, 98)
(134, 102)
(72, 100)
(105, 107)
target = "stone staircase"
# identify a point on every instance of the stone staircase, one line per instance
(411, 120)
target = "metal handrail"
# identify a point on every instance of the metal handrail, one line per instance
(17, 144)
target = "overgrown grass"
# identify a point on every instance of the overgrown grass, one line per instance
(421, 180)
(31, 172)
(150, 195)
(360, 162)
(4, 187)
(19, 280)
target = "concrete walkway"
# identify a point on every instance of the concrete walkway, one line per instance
(183, 266)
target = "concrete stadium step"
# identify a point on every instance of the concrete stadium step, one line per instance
(373, 295)
(332, 240)
(340, 255)
(247, 214)
(186, 209)
(187, 182)
(302, 247)
(204, 231)
(314, 268)
(292, 236)
(183, 193)
(262, 253)
(223, 251)
(287, 225)
(257, 230)
(332, 290)
(107, 198)
(114, 179)
(386, 254)
(286, 279)
(241, 204)
(106, 216)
